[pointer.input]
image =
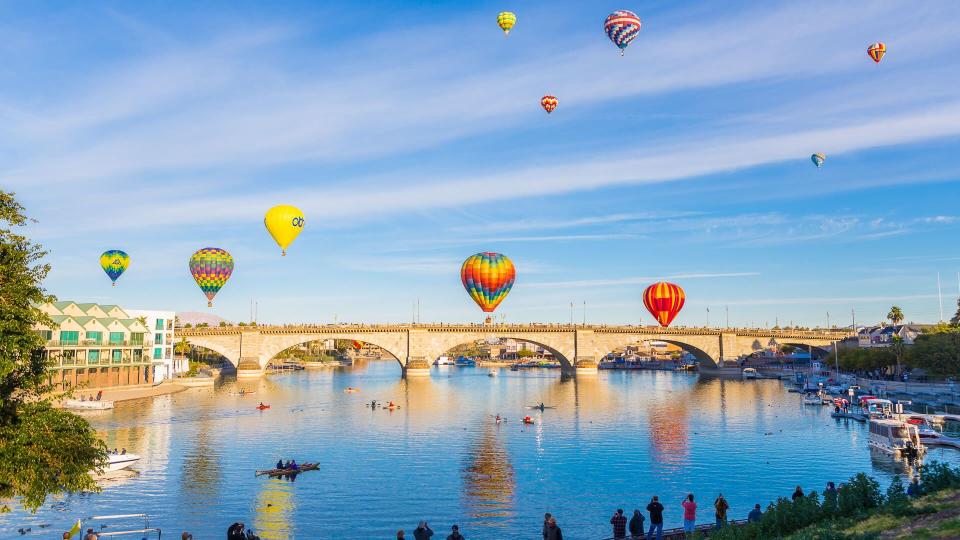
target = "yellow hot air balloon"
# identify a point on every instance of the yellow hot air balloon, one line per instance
(506, 20)
(284, 222)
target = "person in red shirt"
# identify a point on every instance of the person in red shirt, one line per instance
(689, 514)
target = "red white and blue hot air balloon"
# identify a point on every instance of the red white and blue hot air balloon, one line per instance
(622, 27)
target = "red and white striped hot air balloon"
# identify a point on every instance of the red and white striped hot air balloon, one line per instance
(549, 103)
(664, 301)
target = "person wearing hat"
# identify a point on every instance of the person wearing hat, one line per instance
(455, 535)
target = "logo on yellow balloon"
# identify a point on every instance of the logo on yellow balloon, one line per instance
(284, 223)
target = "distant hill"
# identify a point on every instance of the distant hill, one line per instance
(197, 317)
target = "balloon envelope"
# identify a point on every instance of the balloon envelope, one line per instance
(211, 268)
(357, 345)
(622, 27)
(818, 159)
(488, 278)
(664, 301)
(284, 223)
(114, 262)
(876, 51)
(506, 20)
(549, 103)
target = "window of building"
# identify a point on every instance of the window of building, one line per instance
(47, 335)
(158, 338)
(95, 337)
(116, 356)
(69, 337)
(159, 324)
(116, 338)
(157, 353)
(93, 356)
(136, 338)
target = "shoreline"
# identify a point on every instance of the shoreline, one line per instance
(129, 393)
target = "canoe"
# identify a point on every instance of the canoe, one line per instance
(285, 472)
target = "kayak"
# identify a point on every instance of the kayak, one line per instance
(288, 472)
(242, 393)
(262, 407)
(541, 408)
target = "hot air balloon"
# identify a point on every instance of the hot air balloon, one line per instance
(876, 51)
(549, 103)
(663, 300)
(622, 27)
(211, 268)
(506, 20)
(487, 277)
(114, 262)
(818, 159)
(284, 223)
(357, 345)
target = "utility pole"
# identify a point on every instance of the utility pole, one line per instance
(727, 308)
(584, 312)
(571, 313)
(418, 311)
(940, 296)
(828, 320)
(708, 316)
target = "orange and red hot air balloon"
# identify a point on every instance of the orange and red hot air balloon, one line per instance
(488, 278)
(549, 103)
(876, 51)
(357, 345)
(664, 301)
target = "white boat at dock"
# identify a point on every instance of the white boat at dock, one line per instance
(87, 405)
(896, 437)
(749, 373)
(811, 399)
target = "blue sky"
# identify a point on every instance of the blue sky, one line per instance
(414, 139)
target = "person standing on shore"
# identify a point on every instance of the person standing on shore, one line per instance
(755, 514)
(797, 493)
(423, 531)
(400, 535)
(721, 506)
(553, 531)
(546, 522)
(636, 525)
(689, 514)
(656, 518)
(619, 522)
(455, 535)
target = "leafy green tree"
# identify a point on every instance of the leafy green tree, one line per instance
(937, 350)
(955, 320)
(895, 315)
(898, 348)
(43, 451)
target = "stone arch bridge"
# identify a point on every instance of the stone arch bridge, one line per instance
(577, 347)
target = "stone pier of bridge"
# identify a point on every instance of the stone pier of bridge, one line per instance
(578, 348)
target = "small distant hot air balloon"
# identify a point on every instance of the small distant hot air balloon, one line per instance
(506, 20)
(664, 301)
(284, 223)
(487, 277)
(211, 268)
(622, 27)
(876, 51)
(114, 262)
(549, 103)
(818, 159)
(357, 345)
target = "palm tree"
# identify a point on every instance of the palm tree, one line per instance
(898, 347)
(895, 315)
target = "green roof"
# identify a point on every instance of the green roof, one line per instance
(62, 304)
(83, 320)
(60, 318)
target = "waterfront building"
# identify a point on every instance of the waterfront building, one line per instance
(162, 325)
(95, 346)
(882, 336)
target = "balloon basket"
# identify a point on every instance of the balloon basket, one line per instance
(209, 304)
(114, 284)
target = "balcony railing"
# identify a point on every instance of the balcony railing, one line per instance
(74, 362)
(94, 344)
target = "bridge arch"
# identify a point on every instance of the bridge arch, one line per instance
(217, 346)
(446, 344)
(268, 355)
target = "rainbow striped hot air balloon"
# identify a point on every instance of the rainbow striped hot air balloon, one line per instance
(876, 51)
(549, 103)
(211, 268)
(818, 159)
(664, 301)
(622, 27)
(114, 262)
(488, 278)
(506, 20)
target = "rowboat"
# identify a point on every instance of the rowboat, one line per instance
(91, 405)
(288, 472)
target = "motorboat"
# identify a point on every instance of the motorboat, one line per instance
(120, 461)
(811, 399)
(749, 373)
(492, 373)
(445, 361)
(87, 405)
(896, 437)
(877, 408)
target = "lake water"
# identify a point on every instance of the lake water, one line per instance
(614, 439)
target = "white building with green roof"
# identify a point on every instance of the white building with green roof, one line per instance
(97, 346)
